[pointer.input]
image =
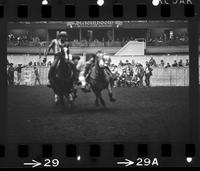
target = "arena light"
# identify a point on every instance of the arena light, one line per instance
(79, 158)
(44, 2)
(100, 2)
(189, 159)
(156, 2)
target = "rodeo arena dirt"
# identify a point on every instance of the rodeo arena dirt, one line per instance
(146, 99)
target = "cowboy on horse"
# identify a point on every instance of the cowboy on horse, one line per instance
(60, 48)
(62, 74)
(103, 62)
(84, 71)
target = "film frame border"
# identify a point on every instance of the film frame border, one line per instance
(23, 10)
(189, 149)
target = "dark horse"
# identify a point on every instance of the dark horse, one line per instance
(63, 81)
(99, 80)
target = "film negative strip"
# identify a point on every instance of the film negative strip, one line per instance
(99, 83)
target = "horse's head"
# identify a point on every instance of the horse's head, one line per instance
(63, 69)
(63, 81)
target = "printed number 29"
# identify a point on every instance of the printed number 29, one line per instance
(51, 163)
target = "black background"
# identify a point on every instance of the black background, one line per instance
(129, 11)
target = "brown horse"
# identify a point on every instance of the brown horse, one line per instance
(63, 82)
(100, 79)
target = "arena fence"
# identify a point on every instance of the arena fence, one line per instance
(170, 77)
(160, 77)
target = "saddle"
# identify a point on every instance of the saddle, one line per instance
(108, 74)
(88, 71)
(104, 74)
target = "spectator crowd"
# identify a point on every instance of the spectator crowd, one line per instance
(164, 40)
(11, 70)
(23, 40)
(126, 74)
(161, 40)
(131, 74)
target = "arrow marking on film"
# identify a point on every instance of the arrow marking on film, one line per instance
(126, 163)
(34, 164)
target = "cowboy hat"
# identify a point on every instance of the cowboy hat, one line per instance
(75, 57)
(62, 33)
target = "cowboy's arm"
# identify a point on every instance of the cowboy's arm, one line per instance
(109, 60)
(49, 47)
(90, 62)
(102, 63)
(66, 52)
(24, 66)
(15, 68)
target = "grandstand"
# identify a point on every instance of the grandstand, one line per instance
(98, 34)
(122, 40)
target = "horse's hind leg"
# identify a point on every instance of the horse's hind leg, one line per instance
(110, 93)
(97, 102)
(102, 100)
(62, 102)
(97, 98)
(70, 101)
(56, 99)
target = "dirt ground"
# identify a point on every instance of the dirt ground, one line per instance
(158, 114)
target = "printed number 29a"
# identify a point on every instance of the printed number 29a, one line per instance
(51, 163)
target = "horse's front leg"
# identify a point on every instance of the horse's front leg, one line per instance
(70, 99)
(102, 100)
(97, 98)
(110, 93)
(62, 101)
(97, 101)
(59, 99)
(56, 99)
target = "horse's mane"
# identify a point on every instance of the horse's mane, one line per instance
(63, 68)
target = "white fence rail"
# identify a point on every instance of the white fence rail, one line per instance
(161, 76)
(170, 77)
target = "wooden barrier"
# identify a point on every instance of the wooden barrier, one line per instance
(170, 77)
(160, 77)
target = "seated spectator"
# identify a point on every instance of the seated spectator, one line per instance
(152, 62)
(180, 63)
(120, 63)
(44, 61)
(168, 65)
(133, 62)
(30, 63)
(162, 64)
(187, 62)
(49, 63)
(175, 64)
(127, 62)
